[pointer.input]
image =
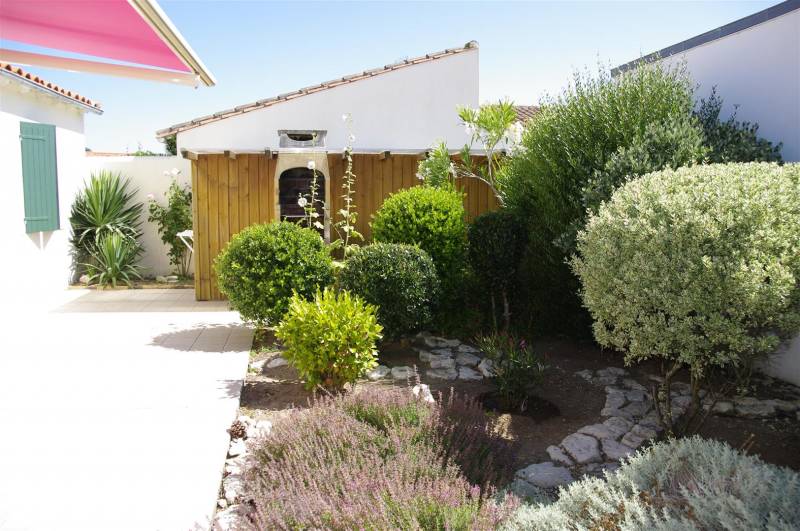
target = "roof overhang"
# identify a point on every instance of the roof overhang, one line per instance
(136, 34)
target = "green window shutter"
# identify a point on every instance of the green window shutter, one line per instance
(39, 176)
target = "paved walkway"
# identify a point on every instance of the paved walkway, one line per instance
(113, 408)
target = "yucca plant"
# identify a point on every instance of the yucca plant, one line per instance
(105, 206)
(114, 260)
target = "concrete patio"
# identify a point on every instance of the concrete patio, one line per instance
(114, 407)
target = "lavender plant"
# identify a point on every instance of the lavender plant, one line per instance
(380, 459)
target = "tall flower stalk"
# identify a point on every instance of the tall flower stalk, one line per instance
(345, 227)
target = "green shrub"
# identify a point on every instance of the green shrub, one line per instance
(682, 484)
(431, 218)
(672, 144)
(104, 206)
(496, 245)
(330, 340)
(173, 218)
(517, 368)
(697, 266)
(263, 265)
(399, 279)
(573, 136)
(114, 259)
(731, 140)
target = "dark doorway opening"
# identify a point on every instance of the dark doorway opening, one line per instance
(294, 184)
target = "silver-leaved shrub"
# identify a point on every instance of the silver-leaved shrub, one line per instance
(698, 266)
(683, 484)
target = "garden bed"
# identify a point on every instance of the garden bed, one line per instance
(275, 391)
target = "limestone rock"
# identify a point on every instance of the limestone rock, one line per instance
(442, 374)
(636, 409)
(486, 368)
(232, 486)
(277, 362)
(378, 372)
(753, 408)
(582, 448)
(615, 401)
(557, 455)
(469, 349)
(237, 448)
(229, 519)
(545, 475)
(644, 432)
(618, 425)
(402, 373)
(586, 374)
(468, 373)
(261, 428)
(599, 431)
(784, 406)
(258, 366)
(630, 383)
(443, 363)
(466, 358)
(614, 450)
(612, 371)
(423, 392)
(424, 355)
(632, 440)
(636, 395)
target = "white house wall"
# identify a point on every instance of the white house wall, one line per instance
(147, 176)
(34, 265)
(409, 108)
(757, 69)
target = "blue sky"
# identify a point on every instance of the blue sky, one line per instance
(259, 49)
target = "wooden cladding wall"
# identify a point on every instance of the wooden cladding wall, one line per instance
(232, 193)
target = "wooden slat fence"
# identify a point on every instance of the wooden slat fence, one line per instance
(230, 194)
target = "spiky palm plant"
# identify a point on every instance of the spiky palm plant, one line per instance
(114, 258)
(105, 206)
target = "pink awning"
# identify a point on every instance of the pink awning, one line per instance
(131, 31)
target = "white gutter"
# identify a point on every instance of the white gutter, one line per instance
(152, 13)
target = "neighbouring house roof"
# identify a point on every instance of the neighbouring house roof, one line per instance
(18, 74)
(525, 112)
(714, 34)
(327, 85)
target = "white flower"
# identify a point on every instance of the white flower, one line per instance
(345, 117)
(351, 138)
(151, 197)
(302, 202)
(420, 177)
(312, 165)
(166, 173)
(319, 225)
(175, 172)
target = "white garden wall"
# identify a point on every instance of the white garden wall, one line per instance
(409, 108)
(757, 69)
(37, 265)
(147, 174)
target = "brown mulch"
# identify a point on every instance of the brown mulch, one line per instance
(273, 393)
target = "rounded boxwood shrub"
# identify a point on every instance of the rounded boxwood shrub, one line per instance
(687, 484)
(330, 340)
(263, 265)
(700, 266)
(433, 219)
(399, 279)
(497, 243)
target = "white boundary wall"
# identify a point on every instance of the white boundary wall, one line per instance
(38, 264)
(147, 174)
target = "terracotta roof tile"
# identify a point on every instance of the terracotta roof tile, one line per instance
(526, 112)
(267, 102)
(17, 72)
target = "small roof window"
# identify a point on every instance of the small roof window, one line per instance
(302, 138)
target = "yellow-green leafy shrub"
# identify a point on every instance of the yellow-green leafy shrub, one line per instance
(686, 484)
(263, 265)
(699, 266)
(330, 340)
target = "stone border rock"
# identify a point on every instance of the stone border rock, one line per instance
(229, 505)
(630, 421)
